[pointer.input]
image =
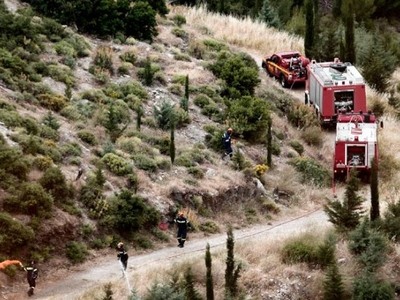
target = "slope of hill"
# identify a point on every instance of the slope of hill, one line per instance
(221, 194)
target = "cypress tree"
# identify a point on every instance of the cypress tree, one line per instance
(139, 113)
(374, 213)
(309, 35)
(172, 137)
(333, 283)
(348, 20)
(187, 90)
(269, 143)
(231, 273)
(148, 75)
(209, 278)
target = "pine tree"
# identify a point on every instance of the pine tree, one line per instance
(309, 35)
(374, 214)
(209, 278)
(346, 216)
(190, 291)
(232, 273)
(268, 15)
(333, 283)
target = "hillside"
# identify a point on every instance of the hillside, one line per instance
(213, 192)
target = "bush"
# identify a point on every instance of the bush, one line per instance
(179, 20)
(76, 252)
(311, 171)
(296, 145)
(87, 137)
(54, 182)
(128, 56)
(116, 164)
(51, 101)
(313, 136)
(144, 162)
(42, 163)
(129, 213)
(201, 100)
(209, 227)
(179, 32)
(301, 115)
(196, 172)
(103, 59)
(391, 221)
(13, 234)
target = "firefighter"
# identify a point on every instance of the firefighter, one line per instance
(183, 226)
(227, 143)
(122, 255)
(31, 275)
(80, 172)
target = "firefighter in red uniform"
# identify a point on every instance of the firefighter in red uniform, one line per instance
(183, 226)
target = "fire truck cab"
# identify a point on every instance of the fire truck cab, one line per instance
(332, 87)
(355, 145)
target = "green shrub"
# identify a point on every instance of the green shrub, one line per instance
(55, 183)
(31, 199)
(64, 48)
(209, 227)
(71, 149)
(52, 101)
(144, 162)
(88, 137)
(299, 250)
(313, 136)
(129, 213)
(301, 115)
(197, 49)
(179, 32)
(311, 171)
(76, 252)
(179, 20)
(201, 100)
(196, 172)
(49, 133)
(13, 234)
(116, 164)
(61, 73)
(42, 163)
(296, 145)
(124, 68)
(182, 57)
(215, 45)
(128, 56)
(103, 59)
(175, 89)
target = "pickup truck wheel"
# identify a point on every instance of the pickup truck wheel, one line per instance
(283, 81)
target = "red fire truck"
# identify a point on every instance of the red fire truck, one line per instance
(332, 87)
(356, 144)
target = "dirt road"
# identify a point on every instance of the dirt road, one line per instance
(106, 269)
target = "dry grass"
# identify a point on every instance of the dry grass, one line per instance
(240, 32)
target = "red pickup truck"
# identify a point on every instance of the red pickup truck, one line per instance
(288, 67)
